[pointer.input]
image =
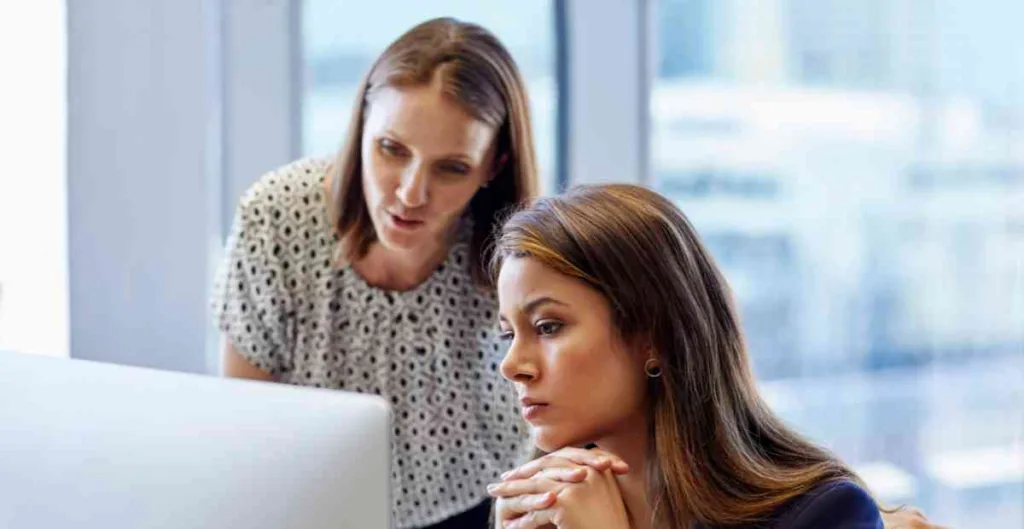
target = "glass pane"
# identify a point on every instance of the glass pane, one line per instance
(857, 167)
(33, 184)
(342, 38)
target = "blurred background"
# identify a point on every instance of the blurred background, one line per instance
(856, 166)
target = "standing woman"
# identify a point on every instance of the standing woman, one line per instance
(366, 272)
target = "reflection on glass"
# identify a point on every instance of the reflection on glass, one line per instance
(340, 39)
(857, 168)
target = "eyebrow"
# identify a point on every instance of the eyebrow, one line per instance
(395, 135)
(534, 304)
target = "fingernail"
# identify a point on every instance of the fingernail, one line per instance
(506, 475)
(492, 487)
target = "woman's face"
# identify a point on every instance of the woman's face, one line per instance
(578, 380)
(424, 158)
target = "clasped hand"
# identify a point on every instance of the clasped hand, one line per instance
(571, 488)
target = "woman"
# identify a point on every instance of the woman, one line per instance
(367, 272)
(622, 334)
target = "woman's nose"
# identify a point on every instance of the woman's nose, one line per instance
(412, 191)
(518, 364)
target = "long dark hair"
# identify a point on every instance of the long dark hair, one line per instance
(479, 74)
(718, 454)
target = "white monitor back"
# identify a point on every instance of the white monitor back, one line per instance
(85, 444)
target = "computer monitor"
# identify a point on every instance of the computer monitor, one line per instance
(86, 444)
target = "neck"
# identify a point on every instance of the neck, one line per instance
(632, 446)
(401, 269)
(392, 269)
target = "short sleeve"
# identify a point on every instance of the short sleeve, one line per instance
(251, 305)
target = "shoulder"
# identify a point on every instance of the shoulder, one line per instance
(282, 221)
(837, 504)
(295, 185)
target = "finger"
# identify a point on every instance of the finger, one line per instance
(598, 463)
(530, 469)
(596, 459)
(599, 460)
(532, 520)
(562, 474)
(517, 506)
(519, 487)
(547, 480)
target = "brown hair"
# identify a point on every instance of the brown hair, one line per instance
(478, 73)
(719, 455)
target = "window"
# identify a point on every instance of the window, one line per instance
(855, 167)
(33, 194)
(341, 39)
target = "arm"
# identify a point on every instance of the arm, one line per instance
(841, 505)
(234, 365)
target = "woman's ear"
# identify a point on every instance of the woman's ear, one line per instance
(642, 349)
(644, 344)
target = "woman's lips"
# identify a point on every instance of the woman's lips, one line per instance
(533, 411)
(405, 223)
(531, 408)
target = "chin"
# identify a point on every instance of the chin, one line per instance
(550, 439)
(397, 240)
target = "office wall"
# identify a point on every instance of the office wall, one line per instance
(137, 182)
(175, 107)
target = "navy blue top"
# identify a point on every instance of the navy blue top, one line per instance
(834, 505)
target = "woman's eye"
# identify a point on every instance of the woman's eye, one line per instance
(548, 327)
(390, 148)
(458, 169)
(505, 336)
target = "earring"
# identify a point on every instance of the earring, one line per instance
(651, 368)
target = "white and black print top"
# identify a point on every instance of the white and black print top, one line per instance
(432, 351)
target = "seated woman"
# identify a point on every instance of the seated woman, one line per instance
(622, 333)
